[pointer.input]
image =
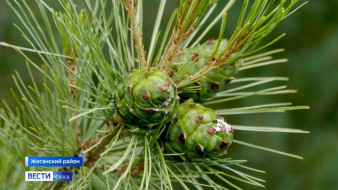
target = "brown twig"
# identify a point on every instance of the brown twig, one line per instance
(181, 33)
(136, 170)
(131, 8)
(72, 81)
(94, 153)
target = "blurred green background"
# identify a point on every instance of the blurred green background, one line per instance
(312, 48)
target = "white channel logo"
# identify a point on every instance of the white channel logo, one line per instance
(39, 176)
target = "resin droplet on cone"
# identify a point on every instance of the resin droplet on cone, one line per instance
(198, 132)
(147, 98)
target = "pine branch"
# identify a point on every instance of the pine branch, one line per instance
(133, 12)
(80, 79)
(249, 32)
(72, 81)
(189, 14)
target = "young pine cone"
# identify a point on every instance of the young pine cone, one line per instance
(198, 132)
(215, 80)
(147, 98)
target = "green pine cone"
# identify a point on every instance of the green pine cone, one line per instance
(214, 81)
(147, 98)
(198, 132)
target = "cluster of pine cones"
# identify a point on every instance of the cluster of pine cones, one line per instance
(149, 99)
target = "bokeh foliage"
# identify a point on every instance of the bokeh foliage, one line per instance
(311, 45)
